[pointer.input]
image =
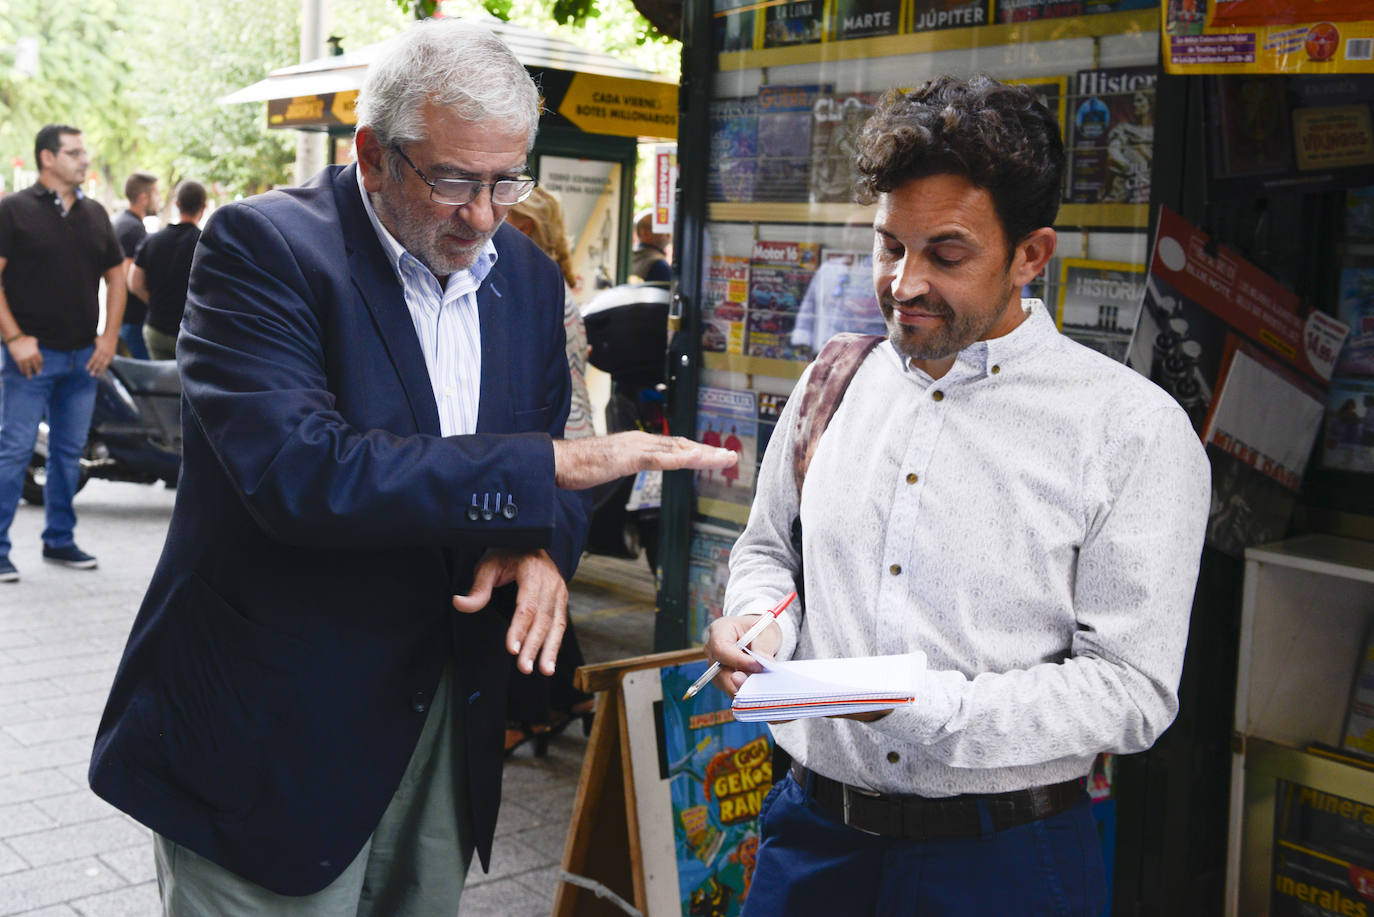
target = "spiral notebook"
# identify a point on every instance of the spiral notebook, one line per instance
(826, 687)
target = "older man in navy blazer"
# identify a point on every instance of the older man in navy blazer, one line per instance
(375, 389)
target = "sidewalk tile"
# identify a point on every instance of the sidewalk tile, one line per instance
(22, 818)
(55, 728)
(506, 898)
(137, 901)
(86, 839)
(35, 888)
(135, 864)
(34, 785)
(74, 808)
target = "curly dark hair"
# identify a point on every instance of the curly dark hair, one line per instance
(999, 137)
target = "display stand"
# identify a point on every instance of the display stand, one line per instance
(603, 855)
(1307, 605)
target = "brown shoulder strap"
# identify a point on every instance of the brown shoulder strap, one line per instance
(835, 365)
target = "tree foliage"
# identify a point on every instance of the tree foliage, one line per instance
(83, 80)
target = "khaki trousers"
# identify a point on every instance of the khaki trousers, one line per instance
(413, 865)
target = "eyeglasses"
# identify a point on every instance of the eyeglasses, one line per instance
(459, 191)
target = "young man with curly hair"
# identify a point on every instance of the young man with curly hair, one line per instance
(1025, 521)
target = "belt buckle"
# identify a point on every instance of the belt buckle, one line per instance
(845, 790)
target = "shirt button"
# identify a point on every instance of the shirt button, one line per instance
(893, 757)
(419, 703)
(895, 569)
(938, 395)
(996, 370)
(911, 478)
(449, 393)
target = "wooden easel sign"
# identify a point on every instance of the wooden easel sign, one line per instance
(693, 782)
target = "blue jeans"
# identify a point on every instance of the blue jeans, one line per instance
(809, 862)
(132, 335)
(65, 392)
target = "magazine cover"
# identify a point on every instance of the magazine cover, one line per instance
(1028, 10)
(722, 313)
(1054, 95)
(1356, 309)
(770, 409)
(734, 149)
(1323, 853)
(1348, 443)
(734, 24)
(1252, 128)
(1359, 715)
(839, 298)
(728, 418)
(848, 19)
(1225, 340)
(708, 570)
(784, 142)
(1112, 135)
(801, 22)
(1359, 214)
(930, 15)
(1099, 302)
(779, 275)
(719, 771)
(837, 122)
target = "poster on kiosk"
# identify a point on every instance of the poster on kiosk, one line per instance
(1227, 341)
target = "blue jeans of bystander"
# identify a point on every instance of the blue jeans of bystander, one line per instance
(64, 392)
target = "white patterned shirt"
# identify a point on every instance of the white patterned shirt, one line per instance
(446, 324)
(1029, 525)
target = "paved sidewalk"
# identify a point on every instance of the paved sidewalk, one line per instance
(63, 852)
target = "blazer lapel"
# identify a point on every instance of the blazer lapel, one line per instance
(494, 403)
(379, 289)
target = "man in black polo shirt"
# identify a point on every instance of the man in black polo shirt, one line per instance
(140, 189)
(163, 267)
(55, 246)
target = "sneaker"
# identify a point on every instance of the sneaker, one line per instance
(69, 557)
(8, 572)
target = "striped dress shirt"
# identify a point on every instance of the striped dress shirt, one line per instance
(446, 325)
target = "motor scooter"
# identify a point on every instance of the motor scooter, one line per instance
(627, 328)
(135, 429)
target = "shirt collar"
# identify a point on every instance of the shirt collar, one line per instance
(395, 251)
(981, 357)
(44, 192)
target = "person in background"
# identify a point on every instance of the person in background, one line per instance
(650, 259)
(141, 191)
(375, 507)
(538, 707)
(162, 269)
(56, 245)
(540, 217)
(1023, 521)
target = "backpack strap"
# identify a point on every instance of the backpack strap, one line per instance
(834, 367)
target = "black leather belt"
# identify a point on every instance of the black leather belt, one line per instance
(921, 818)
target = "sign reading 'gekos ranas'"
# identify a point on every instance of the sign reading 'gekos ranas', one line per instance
(620, 107)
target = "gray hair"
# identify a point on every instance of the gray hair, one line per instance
(453, 63)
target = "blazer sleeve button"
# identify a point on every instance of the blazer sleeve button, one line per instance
(510, 511)
(474, 514)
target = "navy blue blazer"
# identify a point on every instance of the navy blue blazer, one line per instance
(281, 665)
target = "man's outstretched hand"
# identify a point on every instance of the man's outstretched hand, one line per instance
(593, 460)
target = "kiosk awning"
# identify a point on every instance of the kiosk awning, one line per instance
(595, 92)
